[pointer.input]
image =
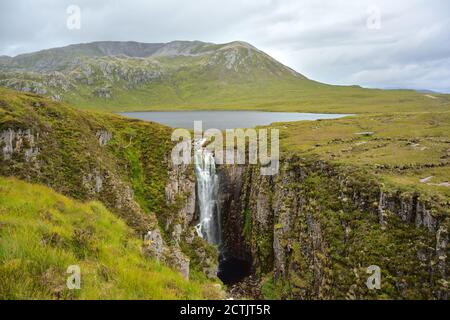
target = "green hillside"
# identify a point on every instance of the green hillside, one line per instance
(400, 149)
(127, 76)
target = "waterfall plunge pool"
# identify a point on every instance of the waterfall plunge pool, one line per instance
(232, 270)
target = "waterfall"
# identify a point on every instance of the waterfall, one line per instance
(207, 194)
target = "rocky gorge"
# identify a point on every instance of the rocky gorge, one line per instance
(309, 232)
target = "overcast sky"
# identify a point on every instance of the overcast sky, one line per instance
(373, 43)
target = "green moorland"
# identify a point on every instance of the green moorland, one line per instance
(83, 186)
(410, 150)
(43, 232)
(192, 91)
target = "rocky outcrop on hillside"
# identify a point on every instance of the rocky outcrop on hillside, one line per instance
(19, 143)
(92, 157)
(21, 146)
(23, 155)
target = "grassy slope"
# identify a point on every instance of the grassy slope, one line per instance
(42, 233)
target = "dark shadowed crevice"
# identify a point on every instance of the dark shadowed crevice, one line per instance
(233, 270)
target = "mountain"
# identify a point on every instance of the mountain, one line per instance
(119, 76)
(59, 59)
(428, 91)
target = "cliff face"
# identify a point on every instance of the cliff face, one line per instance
(313, 230)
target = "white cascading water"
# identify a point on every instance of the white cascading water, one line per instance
(207, 192)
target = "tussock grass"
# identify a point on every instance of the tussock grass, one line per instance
(42, 233)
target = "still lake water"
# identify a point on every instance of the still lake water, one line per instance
(225, 119)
